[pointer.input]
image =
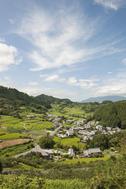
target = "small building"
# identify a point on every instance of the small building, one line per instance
(61, 135)
(92, 152)
(99, 127)
(70, 133)
(71, 152)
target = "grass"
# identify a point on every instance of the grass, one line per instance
(9, 136)
(65, 184)
(85, 160)
(23, 181)
(68, 142)
(76, 111)
(14, 150)
(15, 125)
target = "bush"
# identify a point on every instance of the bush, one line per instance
(46, 142)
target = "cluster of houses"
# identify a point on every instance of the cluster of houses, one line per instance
(85, 131)
(58, 154)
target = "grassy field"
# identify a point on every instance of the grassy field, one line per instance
(8, 136)
(14, 150)
(85, 160)
(69, 142)
(7, 181)
(13, 125)
(76, 111)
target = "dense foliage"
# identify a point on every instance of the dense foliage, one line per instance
(46, 142)
(112, 114)
(106, 141)
(48, 100)
(12, 99)
(99, 175)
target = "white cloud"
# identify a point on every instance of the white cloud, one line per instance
(8, 56)
(55, 77)
(73, 81)
(111, 4)
(32, 90)
(62, 39)
(7, 82)
(52, 78)
(55, 38)
(112, 86)
(82, 83)
(33, 83)
(109, 72)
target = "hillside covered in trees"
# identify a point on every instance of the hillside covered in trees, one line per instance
(112, 114)
(12, 99)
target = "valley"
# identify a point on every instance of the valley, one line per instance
(61, 140)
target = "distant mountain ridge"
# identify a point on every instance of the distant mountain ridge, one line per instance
(15, 96)
(47, 100)
(105, 98)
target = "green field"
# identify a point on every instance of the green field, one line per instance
(14, 125)
(69, 142)
(14, 150)
(85, 160)
(9, 136)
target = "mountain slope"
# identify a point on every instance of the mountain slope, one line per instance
(48, 100)
(13, 96)
(105, 98)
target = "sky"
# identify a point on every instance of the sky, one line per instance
(72, 49)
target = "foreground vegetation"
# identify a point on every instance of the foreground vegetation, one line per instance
(94, 175)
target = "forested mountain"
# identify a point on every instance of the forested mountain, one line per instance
(47, 100)
(112, 114)
(11, 99)
(15, 96)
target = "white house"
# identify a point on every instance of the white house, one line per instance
(71, 152)
(92, 152)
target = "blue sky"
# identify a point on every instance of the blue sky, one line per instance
(68, 49)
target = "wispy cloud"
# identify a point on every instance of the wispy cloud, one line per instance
(7, 82)
(113, 85)
(56, 38)
(8, 56)
(72, 81)
(111, 4)
(62, 39)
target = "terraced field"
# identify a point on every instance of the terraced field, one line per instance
(9, 143)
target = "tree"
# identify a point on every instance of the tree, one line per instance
(1, 168)
(101, 141)
(46, 142)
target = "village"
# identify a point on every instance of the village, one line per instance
(82, 129)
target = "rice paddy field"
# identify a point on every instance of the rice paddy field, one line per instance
(69, 142)
(11, 124)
